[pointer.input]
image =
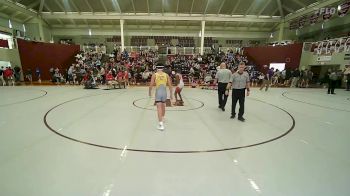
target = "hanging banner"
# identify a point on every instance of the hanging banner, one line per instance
(302, 22)
(327, 13)
(314, 18)
(343, 9)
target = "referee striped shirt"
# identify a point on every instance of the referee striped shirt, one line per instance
(223, 76)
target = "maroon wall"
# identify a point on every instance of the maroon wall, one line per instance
(265, 55)
(4, 43)
(45, 56)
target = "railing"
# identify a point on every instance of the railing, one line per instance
(138, 48)
(169, 50)
(97, 48)
(196, 50)
(328, 47)
(184, 50)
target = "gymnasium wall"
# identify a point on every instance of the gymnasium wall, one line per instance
(45, 56)
(287, 35)
(32, 31)
(4, 22)
(336, 27)
(308, 58)
(47, 33)
(265, 55)
(10, 55)
(80, 40)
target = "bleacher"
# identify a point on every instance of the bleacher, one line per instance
(162, 40)
(186, 41)
(209, 41)
(114, 39)
(139, 40)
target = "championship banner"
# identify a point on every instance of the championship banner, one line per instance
(294, 25)
(314, 18)
(327, 13)
(343, 9)
(302, 22)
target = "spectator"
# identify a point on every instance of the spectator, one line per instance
(2, 76)
(333, 77)
(29, 76)
(8, 76)
(347, 77)
(296, 76)
(17, 73)
(110, 80)
(38, 74)
(145, 76)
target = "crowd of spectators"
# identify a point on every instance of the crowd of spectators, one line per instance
(95, 67)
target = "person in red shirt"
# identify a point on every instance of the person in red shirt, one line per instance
(121, 78)
(110, 80)
(8, 75)
(127, 65)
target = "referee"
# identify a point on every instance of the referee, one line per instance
(223, 77)
(240, 83)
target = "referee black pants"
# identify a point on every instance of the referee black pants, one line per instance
(221, 94)
(238, 95)
(331, 86)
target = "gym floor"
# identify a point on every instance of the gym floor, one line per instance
(70, 141)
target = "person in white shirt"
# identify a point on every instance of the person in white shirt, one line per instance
(145, 76)
(103, 75)
(222, 78)
(179, 86)
(70, 74)
(191, 75)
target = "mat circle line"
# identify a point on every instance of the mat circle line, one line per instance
(167, 151)
(177, 110)
(321, 106)
(18, 102)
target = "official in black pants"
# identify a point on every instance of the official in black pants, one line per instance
(223, 77)
(238, 95)
(331, 86)
(332, 82)
(240, 83)
(221, 95)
